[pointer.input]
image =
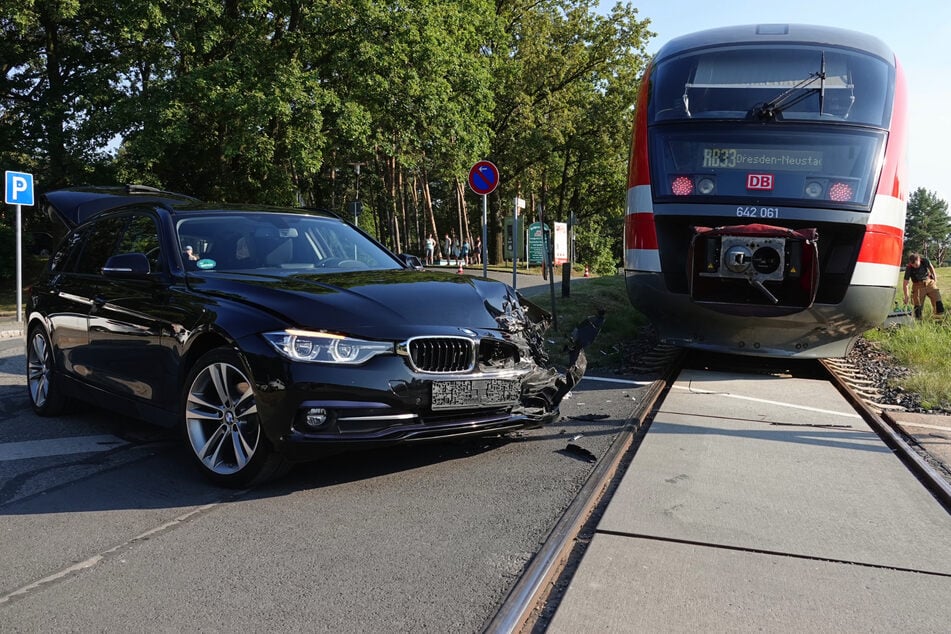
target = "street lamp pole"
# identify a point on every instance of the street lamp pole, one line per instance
(356, 167)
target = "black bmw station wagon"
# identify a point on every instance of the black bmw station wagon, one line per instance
(274, 335)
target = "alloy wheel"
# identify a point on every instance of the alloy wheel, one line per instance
(39, 367)
(221, 419)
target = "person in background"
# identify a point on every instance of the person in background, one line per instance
(447, 248)
(924, 283)
(430, 249)
(465, 252)
(190, 253)
(477, 251)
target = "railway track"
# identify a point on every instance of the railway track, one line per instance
(535, 597)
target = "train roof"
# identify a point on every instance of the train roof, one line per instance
(778, 34)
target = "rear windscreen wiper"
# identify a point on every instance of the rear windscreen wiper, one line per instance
(768, 111)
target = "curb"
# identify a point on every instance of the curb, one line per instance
(10, 328)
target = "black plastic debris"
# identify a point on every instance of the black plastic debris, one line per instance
(579, 452)
(587, 417)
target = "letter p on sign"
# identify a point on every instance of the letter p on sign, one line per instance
(19, 189)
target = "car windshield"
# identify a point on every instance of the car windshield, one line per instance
(289, 242)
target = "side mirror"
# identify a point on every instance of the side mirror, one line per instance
(127, 265)
(411, 261)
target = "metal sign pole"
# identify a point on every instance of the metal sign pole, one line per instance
(485, 235)
(19, 223)
(18, 191)
(515, 248)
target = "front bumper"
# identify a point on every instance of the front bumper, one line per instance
(309, 409)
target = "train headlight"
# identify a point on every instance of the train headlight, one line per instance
(681, 186)
(813, 189)
(706, 185)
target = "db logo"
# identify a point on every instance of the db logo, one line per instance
(759, 181)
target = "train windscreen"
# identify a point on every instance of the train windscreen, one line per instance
(792, 125)
(766, 83)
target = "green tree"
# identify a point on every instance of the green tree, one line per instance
(413, 77)
(59, 86)
(275, 100)
(927, 226)
(561, 131)
(225, 100)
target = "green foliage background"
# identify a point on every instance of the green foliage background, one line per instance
(928, 226)
(275, 101)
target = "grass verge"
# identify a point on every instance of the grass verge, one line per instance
(925, 349)
(621, 325)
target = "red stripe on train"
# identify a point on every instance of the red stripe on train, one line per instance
(639, 232)
(894, 178)
(882, 245)
(639, 169)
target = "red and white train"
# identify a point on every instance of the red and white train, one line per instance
(766, 191)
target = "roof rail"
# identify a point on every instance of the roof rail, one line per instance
(133, 188)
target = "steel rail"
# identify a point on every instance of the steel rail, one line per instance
(551, 557)
(928, 475)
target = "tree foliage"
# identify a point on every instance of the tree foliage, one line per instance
(277, 101)
(927, 226)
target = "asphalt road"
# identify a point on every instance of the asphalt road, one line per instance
(532, 285)
(105, 526)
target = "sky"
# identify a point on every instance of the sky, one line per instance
(918, 31)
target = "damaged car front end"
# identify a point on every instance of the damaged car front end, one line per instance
(271, 336)
(439, 382)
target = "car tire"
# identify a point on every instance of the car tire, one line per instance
(221, 425)
(43, 384)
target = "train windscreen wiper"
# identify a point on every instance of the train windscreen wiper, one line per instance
(768, 111)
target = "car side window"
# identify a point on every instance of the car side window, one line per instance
(141, 236)
(64, 258)
(99, 245)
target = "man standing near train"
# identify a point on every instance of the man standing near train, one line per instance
(924, 283)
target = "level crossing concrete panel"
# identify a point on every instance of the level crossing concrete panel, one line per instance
(629, 584)
(754, 471)
(762, 398)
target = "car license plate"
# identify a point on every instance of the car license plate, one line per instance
(475, 393)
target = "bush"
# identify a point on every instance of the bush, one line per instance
(8, 252)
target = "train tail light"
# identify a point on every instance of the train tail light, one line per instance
(841, 192)
(687, 185)
(836, 190)
(681, 186)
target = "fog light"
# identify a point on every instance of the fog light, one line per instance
(315, 417)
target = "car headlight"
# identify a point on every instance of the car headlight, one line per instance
(323, 347)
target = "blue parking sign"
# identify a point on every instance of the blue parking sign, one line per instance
(19, 189)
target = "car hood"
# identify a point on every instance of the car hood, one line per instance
(389, 304)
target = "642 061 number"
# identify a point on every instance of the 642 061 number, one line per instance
(757, 212)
